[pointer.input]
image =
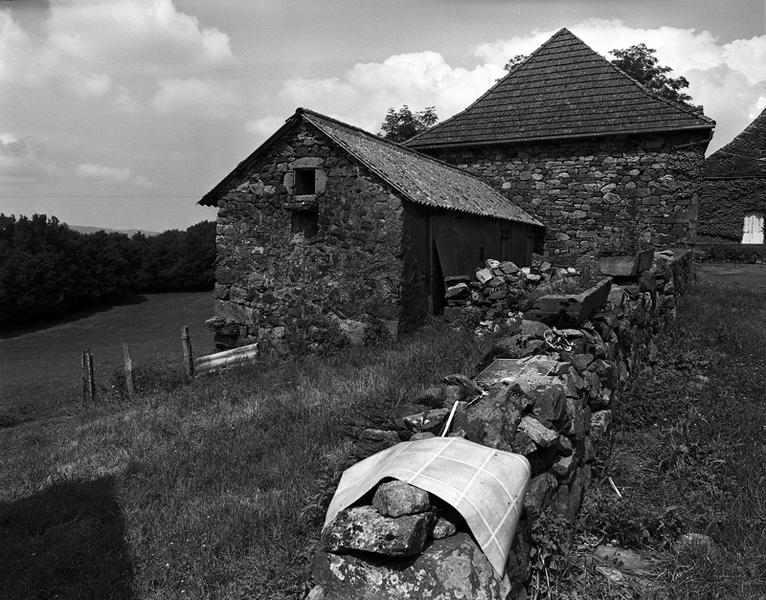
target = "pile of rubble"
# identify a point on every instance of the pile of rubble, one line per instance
(501, 286)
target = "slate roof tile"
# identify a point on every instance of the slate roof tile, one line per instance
(563, 89)
(744, 156)
(420, 178)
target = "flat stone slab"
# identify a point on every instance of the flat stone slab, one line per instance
(570, 310)
(364, 528)
(537, 432)
(626, 265)
(519, 368)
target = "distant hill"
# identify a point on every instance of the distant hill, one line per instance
(128, 232)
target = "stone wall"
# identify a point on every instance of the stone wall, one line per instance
(547, 397)
(294, 271)
(723, 204)
(611, 190)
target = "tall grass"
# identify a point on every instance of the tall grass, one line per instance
(688, 455)
(212, 488)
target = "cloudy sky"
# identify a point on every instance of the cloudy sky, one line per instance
(123, 113)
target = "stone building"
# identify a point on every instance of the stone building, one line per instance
(326, 227)
(733, 202)
(590, 152)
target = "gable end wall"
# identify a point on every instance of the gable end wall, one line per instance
(601, 191)
(289, 292)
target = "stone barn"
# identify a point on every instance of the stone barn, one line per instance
(580, 145)
(733, 203)
(326, 227)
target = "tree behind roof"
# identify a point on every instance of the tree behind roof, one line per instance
(400, 125)
(640, 63)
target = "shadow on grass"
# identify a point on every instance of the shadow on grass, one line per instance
(15, 328)
(66, 542)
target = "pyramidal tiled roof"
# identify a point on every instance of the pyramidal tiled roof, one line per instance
(420, 178)
(563, 89)
(744, 156)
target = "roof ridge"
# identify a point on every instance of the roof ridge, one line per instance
(411, 151)
(493, 86)
(754, 125)
(673, 103)
(304, 112)
(547, 66)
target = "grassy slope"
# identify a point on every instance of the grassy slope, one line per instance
(688, 456)
(40, 365)
(209, 490)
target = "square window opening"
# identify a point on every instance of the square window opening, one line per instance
(304, 182)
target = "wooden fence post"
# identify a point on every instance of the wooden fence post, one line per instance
(84, 375)
(129, 383)
(187, 348)
(89, 383)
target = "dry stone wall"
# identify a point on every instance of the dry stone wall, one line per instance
(294, 272)
(587, 192)
(546, 397)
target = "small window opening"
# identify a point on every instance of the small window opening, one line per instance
(304, 182)
(306, 223)
(752, 232)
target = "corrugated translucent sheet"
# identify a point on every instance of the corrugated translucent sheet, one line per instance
(486, 486)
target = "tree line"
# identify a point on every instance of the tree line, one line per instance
(48, 269)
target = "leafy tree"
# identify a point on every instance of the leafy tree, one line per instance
(641, 64)
(47, 269)
(400, 125)
(510, 65)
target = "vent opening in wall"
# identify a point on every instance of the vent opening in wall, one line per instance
(752, 231)
(304, 182)
(306, 223)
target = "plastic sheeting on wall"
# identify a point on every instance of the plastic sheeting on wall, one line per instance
(486, 486)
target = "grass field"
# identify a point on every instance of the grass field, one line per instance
(40, 367)
(687, 456)
(213, 489)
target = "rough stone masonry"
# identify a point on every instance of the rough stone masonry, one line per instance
(620, 190)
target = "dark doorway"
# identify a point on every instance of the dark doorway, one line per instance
(437, 281)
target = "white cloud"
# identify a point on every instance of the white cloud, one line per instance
(124, 101)
(264, 127)
(14, 48)
(197, 97)
(367, 90)
(148, 35)
(93, 85)
(727, 78)
(105, 174)
(89, 45)
(20, 161)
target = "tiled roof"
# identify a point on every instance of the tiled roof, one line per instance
(563, 89)
(744, 156)
(418, 177)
